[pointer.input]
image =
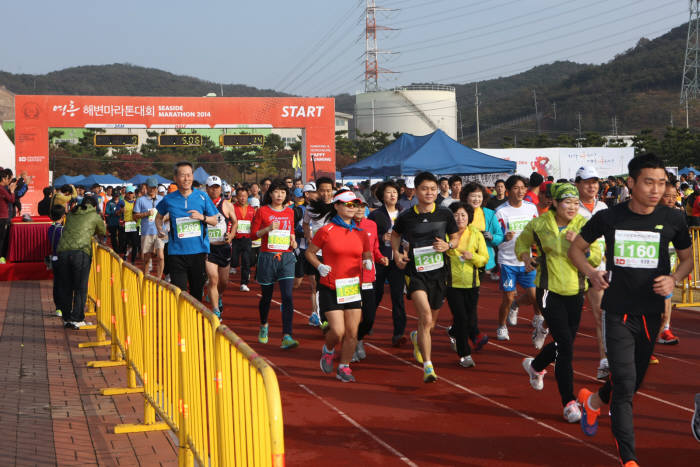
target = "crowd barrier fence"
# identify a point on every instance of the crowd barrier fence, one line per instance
(198, 378)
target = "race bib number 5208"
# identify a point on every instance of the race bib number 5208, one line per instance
(634, 249)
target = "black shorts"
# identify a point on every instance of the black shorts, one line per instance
(220, 255)
(435, 287)
(300, 265)
(309, 270)
(327, 301)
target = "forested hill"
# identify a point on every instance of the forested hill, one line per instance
(122, 80)
(638, 89)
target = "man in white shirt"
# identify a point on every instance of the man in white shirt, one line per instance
(513, 216)
(455, 190)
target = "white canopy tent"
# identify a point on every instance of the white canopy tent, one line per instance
(7, 152)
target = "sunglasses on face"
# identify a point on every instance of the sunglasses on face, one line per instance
(352, 204)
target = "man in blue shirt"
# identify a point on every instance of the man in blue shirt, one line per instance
(188, 244)
(145, 211)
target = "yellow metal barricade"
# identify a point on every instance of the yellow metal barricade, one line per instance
(127, 326)
(198, 420)
(248, 403)
(92, 286)
(99, 291)
(691, 284)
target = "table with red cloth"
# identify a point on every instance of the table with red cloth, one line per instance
(28, 241)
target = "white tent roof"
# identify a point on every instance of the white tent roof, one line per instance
(7, 152)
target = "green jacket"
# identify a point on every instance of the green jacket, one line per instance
(464, 274)
(555, 271)
(79, 228)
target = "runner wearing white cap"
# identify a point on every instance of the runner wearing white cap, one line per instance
(587, 182)
(220, 237)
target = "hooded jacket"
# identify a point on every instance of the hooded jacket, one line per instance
(79, 229)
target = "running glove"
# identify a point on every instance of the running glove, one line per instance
(367, 264)
(488, 236)
(323, 269)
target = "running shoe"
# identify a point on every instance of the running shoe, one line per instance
(314, 320)
(481, 340)
(429, 375)
(453, 343)
(288, 342)
(502, 334)
(631, 464)
(538, 336)
(217, 312)
(345, 375)
(695, 424)
(3, 260)
(324, 327)
(653, 360)
(416, 351)
(80, 324)
(536, 377)
(667, 338)
(232, 271)
(326, 360)
(513, 314)
(59, 313)
(245, 288)
(603, 369)
(494, 276)
(398, 341)
(572, 412)
(262, 335)
(589, 416)
(537, 321)
(360, 350)
(467, 362)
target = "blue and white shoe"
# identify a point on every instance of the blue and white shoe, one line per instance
(314, 320)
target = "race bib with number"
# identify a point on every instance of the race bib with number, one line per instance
(130, 226)
(635, 249)
(367, 286)
(279, 240)
(427, 259)
(518, 224)
(188, 227)
(152, 215)
(257, 243)
(243, 227)
(347, 290)
(216, 234)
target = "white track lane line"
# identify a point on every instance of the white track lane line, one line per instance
(641, 393)
(347, 418)
(465, 389)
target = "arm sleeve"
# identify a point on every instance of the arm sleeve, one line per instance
(593, 229)
(256, 224)
(524, 240)
(376, 253)
(481, 256)
(366, 245)
(100, 228)
(495, 229)
(320, 238)
(596, 255)
(209, 208)
(137, 205)
(161, 207)
(681, 240)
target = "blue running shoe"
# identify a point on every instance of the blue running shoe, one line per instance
(217, 312)
(288, 342)
(262, 335)
(314, 320)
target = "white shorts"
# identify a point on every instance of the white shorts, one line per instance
(151, 243)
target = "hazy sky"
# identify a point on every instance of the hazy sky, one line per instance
(316, 47)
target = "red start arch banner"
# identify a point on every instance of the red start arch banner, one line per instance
(34, 115)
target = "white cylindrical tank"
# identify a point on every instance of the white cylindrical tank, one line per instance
(418, 110)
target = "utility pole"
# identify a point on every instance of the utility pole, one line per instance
(537, 115)
(554, 107)
(580, 138)
(478, 135)
(372, 52)
(690, 88)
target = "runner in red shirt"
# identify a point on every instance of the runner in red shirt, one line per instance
(242, 243)
(274, 224)
(346, 251)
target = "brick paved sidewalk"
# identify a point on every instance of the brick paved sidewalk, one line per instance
(51, 411)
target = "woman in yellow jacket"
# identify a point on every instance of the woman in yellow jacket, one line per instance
(463, 280)
(560, 289)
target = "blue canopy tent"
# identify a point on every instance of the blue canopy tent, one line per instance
(436, 153)
(67, 179)
(201, 175)
(140, 178)
(685, 170)
(100, 179)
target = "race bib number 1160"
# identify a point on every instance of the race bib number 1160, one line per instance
(634, 249)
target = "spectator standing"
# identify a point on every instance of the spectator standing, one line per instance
(58, 216)
(44, 207)
(7, 198)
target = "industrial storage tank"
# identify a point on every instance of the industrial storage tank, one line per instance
(416, 109)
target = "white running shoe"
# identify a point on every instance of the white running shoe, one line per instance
(502, 334)
(232, 271)
(513, 314)
(603, 369)
(80, 324)
(537, 320)
(467, 362)
(572, 412)
(538, 336)
(536, 377)
(244, 288)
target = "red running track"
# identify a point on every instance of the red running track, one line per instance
(487, 415)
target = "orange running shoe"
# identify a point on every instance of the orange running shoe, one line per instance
(667, 337)
(653, 360)
(589, 416)
(631, 464)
